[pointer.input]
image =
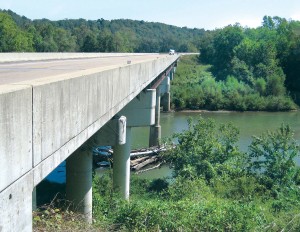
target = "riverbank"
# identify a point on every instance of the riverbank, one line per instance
(229, 111)
(194, 87)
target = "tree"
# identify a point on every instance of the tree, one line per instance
(89, 44)
(268, 22)
(105, 41)
(224, 43)
(64, 40)
(45, 41)
(12, 38)
(207, 49)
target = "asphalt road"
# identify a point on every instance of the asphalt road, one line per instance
(14, 72)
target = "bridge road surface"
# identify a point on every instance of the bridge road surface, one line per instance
(19, 71)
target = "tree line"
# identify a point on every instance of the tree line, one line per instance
(195, 87)
(266, 58)
(20, 34)
(242, 69)
(247, 69)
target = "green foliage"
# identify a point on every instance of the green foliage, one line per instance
(270, 52)
(224, 43)
(13, 38)
(57, 217)
(253, 191)
(272, 156)
(195, 88)
(80, 35)
(196, 155)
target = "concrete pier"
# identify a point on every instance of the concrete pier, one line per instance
(166, 102)
(79, 181)
(155, 130)
(139, 112)
(121, 166)
(165, 93)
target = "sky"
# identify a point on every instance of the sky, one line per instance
(207, 14)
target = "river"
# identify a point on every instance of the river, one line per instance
(249, 123)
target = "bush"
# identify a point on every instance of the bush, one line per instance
(196, 155)
(272, 156)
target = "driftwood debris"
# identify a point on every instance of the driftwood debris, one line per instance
(148, 169)
(140, 158)
(144, 157)
(144, 163)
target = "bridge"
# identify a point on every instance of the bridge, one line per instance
(55, 107)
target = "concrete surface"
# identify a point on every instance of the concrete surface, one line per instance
(15, 133)
(17, 71)
(79, 170)
(48, 109)
(29, 56)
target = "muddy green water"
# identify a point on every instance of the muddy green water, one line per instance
(249, 123)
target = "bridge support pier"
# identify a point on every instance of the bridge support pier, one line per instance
(166, 102)
(121, 165)
(139, 112)
(165, 92)
(79, 180)
(34, 203)
(116, 134)
(155, 130)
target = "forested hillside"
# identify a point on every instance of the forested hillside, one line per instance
(19, 33)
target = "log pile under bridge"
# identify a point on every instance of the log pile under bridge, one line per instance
(139, 158)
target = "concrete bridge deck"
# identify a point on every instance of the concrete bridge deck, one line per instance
(51, 104)
(26, 68)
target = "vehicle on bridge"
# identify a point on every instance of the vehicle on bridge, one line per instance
(172, 52)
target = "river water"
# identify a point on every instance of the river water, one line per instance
(248, 123)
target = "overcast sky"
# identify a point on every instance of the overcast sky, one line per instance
(207, 14)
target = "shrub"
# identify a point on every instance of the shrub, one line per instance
(272, 155)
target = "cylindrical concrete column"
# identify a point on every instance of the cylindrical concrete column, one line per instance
(166, 103)
(79, 181)
(155, 130)
(121, 166)
(34, 203)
